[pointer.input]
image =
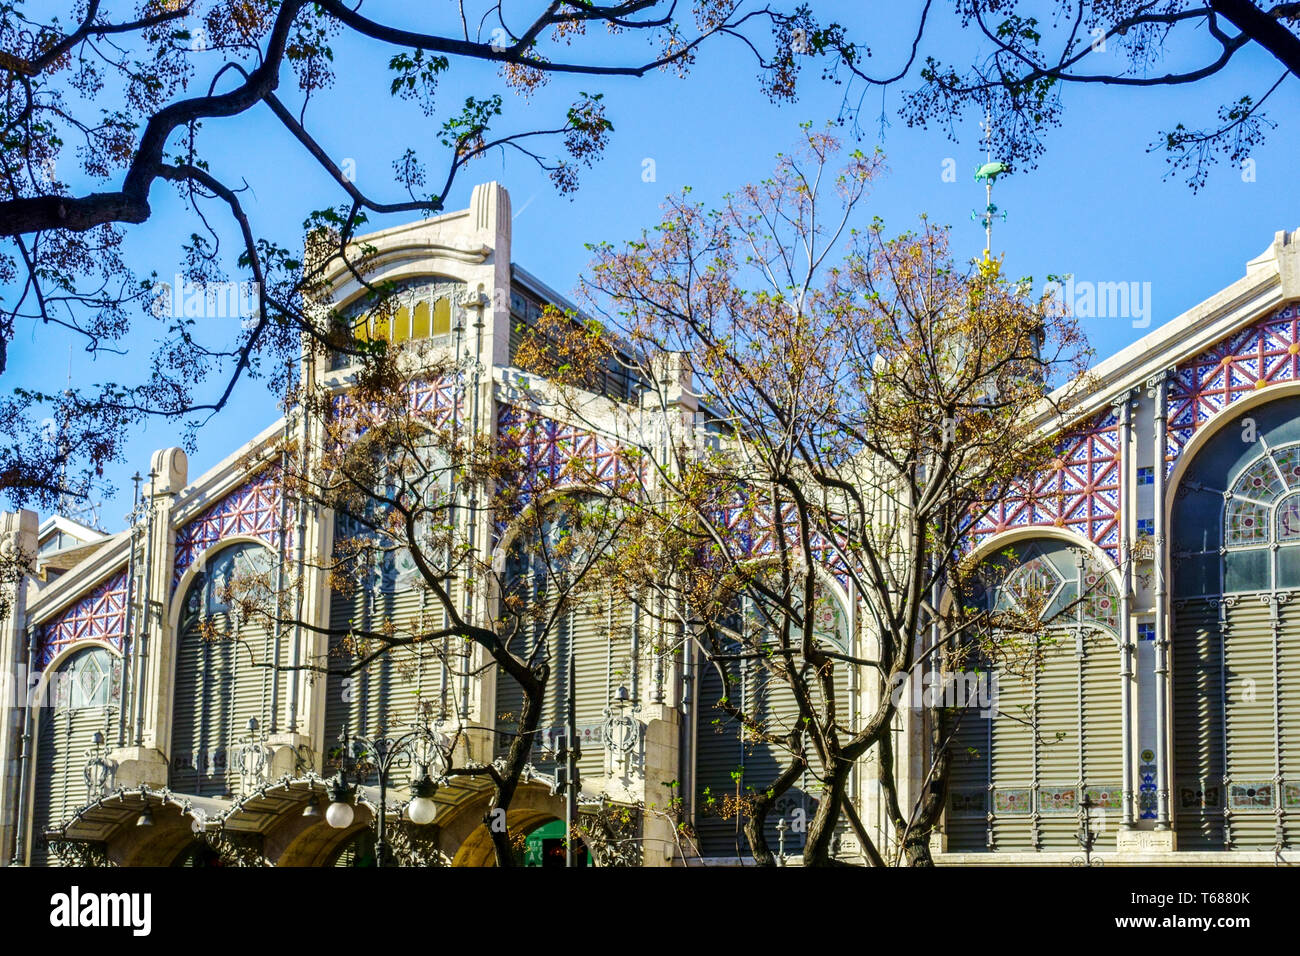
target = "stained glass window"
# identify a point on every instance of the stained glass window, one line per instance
(407, 314)
(1100, 604)
(1032, 585)
(91, 678)
(1288, 519)
(1247, 523)
(1288, 462)
(1061, 587)
(1262, 508)
(1260, 481)
(241, 571)
(828, 618)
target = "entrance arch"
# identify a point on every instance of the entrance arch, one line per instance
(533, 807)
(1051, 729)
(1235, 545)
(227, 672)
(84, 692)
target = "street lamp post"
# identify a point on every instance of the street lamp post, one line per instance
(424, 746)
(1086, 837)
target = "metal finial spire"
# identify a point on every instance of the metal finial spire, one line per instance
(989, 173)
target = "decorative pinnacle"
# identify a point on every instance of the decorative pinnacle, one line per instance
(988, 173)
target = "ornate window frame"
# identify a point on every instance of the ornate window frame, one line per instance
(410, 294)
(1256, 496)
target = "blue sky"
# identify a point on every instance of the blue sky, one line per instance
(1096, 206)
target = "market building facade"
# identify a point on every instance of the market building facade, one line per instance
(1169, 528)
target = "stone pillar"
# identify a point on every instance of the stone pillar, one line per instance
(18, 533)
(311, 532)
(663, 735)
(143, 761)
(490, 222)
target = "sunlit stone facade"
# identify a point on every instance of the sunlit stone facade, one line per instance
(1172, 701)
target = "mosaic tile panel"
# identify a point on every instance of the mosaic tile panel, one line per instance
(1079, 491)
(99, 616)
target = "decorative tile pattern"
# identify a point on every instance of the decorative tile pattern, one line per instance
(755, 533)
(553, 454)
(431, 399)
(1147, 808)
(1106, 797)
(1079, 491)
(99, 616)
(1257, 356)
(1195, 796)
(1291, 796)
(437, 397)
(1251, 795)
(252, 509)
(553, 451)
(1013, 802)
(1057, 799)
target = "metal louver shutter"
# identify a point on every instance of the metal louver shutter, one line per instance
(722, 752)
(398, 688)
(600, 642)
(1103, 720)
(1058, 744)
(60, 786)
(596, 629)
(1011, 758)
(1055, 731)
(1198, 796)
(222, 681)
(597, 634)
(220, 685)
(1289, 699)
(521, 587)
(199, 712)
(966, 823)
(719, 752)
(1249, 726)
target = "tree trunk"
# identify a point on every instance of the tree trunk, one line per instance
(763, 803)
(916, 850)
(821, 831)
(533, 684)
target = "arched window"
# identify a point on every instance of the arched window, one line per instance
(227, 670)
(241, 570)
(417, 471)
(1262, 505)
(423, 308)
(1048, 731)
(1235, 557)
(86, 696)
(1064, 587)
(91, 678)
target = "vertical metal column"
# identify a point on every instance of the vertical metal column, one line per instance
(1125, 409)
(25, 755)
(141, 656)
(128, 640)
(1160, 559)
